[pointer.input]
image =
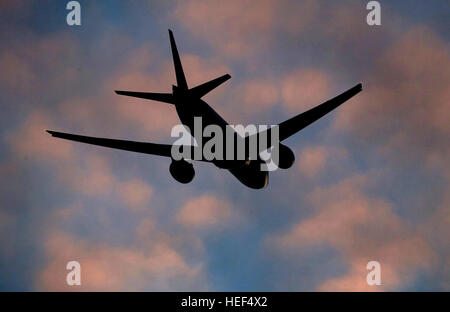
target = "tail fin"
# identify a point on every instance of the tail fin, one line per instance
(161, 97)
(181, 79)
(198, 91)
(206, 87)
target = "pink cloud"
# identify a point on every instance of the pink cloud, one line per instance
(296, 91)
(203, 211)
(238, 30)
(304, 89)
(48, 56)
(199, 70)
(155, 265)
(92, 177)
(88, 173)
(16, 75)
(258, 95)
(312, 160)
(298, 17)
(136, 193)
(155, 261)
(405, 104)
(31, 140)
(361, 228)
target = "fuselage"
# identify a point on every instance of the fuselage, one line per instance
(246, 171)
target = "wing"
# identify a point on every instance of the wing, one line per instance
(295, 124)
(139, 147)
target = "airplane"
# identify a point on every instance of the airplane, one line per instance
(189, 105)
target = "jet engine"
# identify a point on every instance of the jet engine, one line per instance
(286, 157)
(182, 171)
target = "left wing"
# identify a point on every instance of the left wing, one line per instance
(139, 147)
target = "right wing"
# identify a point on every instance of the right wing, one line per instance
(297, 123)
(139, 147)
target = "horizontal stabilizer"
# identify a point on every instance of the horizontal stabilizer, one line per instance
(161, 97)
(203, 89)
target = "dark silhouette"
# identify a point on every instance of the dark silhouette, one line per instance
(188, 104)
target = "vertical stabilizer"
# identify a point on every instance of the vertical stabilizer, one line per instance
(181, 79)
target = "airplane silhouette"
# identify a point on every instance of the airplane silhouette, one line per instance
(188, 104)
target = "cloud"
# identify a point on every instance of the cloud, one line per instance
(315, 160)
(89, 174)
(199, 70)
(151, 265)
(296, 91)
(312, 160)
(154, 261)
(243, 30)
(405, 105)
(203, 211)
(93, 177)
(361, 228)
(48, 57)
(254, 96)
(298, 17)
(136, 193)
(31, 140)
(305, 88)
(17, 76)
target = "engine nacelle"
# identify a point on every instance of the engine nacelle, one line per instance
(286, 157)
(182, 171)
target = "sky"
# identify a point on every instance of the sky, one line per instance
(370, 182)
